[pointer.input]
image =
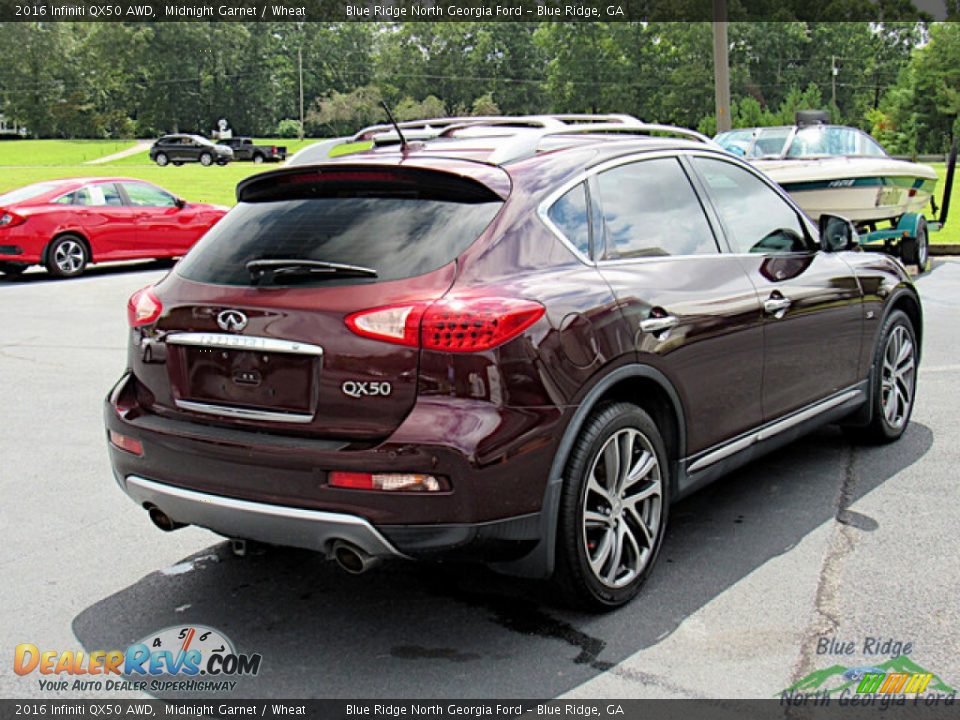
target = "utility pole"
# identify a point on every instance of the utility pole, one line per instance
(300, 69)
(721, 65)
(833, 78)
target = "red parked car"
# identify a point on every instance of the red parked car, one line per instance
(67, 224)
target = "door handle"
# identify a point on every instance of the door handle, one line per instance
(655, 325)
(776, 305)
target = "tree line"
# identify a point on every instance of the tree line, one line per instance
(900, 81)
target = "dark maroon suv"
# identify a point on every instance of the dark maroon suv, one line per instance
(516, 350)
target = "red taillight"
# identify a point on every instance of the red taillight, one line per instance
(126, 443)
(457, 324)
(143, 308)
(475, 324)
(10, 219)
(387, 482)
(398, 324)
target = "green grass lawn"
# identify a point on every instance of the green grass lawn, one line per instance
(192, 181)
(36, 161)
(951, 231)
(58, 152)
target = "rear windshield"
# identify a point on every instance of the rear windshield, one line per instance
(26, 193)
(396, 232)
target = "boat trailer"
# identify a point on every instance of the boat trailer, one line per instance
(908, 238)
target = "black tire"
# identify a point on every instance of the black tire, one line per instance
(67, 256)
(590, 518)
(162, 160)
(883, 427)
(916, 250)
(12, 269)
(206, 159)
(258, 159)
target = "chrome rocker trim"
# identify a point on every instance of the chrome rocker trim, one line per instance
(275, 524)
(775, 428)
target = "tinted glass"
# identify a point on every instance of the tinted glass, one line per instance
(398, 237)
(756, 216)
(148, 196)
(650, 208)
(569, 214)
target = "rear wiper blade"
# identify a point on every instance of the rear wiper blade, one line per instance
(259, 269)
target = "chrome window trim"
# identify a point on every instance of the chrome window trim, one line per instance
(243, 342)
(545, 205)
(240, 413)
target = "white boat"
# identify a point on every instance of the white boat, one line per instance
(836, 170)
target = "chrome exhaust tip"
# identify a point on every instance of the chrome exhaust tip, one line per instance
(163, 521)
(352, 559)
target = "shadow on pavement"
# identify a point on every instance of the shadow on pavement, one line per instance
(38, 276)
(405, 630)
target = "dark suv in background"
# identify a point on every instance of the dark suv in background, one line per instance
(515, 346)
(178, 149)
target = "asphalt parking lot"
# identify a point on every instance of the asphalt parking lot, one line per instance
(822, 540)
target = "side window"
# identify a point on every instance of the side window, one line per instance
(93, 196)
(650, 208)
(759, 220)
(569, 214)
(106, 194)
(148, 196)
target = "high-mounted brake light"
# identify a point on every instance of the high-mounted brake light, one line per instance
(458, 324)
(143, 307)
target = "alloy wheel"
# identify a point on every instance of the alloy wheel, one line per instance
(69, 256)
(897, 377)
(622, 508)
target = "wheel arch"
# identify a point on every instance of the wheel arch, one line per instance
(637, 383)
(62, 233)
(909, 303)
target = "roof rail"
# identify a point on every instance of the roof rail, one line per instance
(526, 145)
(440, 125)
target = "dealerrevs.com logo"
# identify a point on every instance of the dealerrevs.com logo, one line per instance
(192, 658)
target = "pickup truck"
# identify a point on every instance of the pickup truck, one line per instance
(245, 149)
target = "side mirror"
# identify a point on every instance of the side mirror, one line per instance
(837, 234)
(180, 203)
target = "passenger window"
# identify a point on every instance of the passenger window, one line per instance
(759, 220)
(650, 209)
(148, 196)
(569, 214)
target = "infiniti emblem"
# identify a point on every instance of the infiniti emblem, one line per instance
(232, 320)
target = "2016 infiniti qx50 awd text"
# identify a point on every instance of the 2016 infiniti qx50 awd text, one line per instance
(512, 346)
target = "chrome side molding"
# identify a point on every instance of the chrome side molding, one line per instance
(769, 431)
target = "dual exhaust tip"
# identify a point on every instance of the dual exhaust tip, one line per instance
(346, 555)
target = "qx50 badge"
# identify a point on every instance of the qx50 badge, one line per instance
(356, 389)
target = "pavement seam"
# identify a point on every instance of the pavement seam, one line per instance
(826, 618)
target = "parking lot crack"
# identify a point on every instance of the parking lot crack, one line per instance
(842, 542)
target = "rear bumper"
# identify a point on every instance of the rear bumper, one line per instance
(294, 527)
(273, 488)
